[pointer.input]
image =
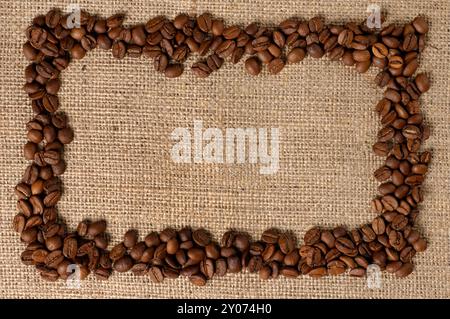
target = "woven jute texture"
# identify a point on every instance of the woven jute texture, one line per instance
(120, 169)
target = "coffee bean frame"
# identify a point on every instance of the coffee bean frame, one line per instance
(390, 240)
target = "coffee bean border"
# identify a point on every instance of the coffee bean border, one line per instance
(389, 241)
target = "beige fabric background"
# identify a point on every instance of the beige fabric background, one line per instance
(119, 167)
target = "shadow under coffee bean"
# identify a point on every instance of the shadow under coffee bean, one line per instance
(389, 241)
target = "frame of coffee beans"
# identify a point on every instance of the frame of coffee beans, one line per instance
(390, 240)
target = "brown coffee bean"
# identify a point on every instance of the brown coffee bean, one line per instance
(221, 267)
(173, 70)
(123, 264)
(361, 55)
(381, 148)
(231, 32)
(346, 246)
(196, 254)
(155, 274)
(336, 267)
(201, 69)
(318, 272)
(286, 243)
(70, 247)
(53, 243)
(378, 226)
(96, 228)
(234, 264)
(130, 238)
(201, 237)
(204, 22)
(420, 245)
(296, 55)
(155, 24)
(345, 38)
(315, 50)
(53, 259)
(420, 25)
(368, 234)
(253, 66)
(389, 202)
(404, 270)
(422, 82)
(396, 240)
(275, 66)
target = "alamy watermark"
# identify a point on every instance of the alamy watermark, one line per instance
(74, 17)
(374, 18)
(74, 279)
(373, 274)
(233, 145)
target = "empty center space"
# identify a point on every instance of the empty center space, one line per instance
(120, 168)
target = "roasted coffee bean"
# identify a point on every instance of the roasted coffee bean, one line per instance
(123, 264)
(346, 246)
(420, 25)
(253, 66)
(155, 274)
(315, 50)
(70, 247)
(286, 243)
(275, 66)
(173, 70)
(233, 264)
(96, 228)
(201, 69)
(130, 238)
(378, 226)
(404, 270)
(420, 245)
(422, 82)
(155, 24)
(53, 259)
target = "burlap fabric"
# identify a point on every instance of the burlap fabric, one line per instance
(119, 165)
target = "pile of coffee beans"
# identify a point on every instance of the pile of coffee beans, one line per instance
(390, 240)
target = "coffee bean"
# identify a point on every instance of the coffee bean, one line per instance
(96, 228)
(275, 66)
(420, 245)
(117, 252)
(201, 237)
(152, 239)
(233, 264)
(119, 49)
(422, 82)
(207, 268)
(318, 272)
(204, 22)
(196, 254)
(313, 236)
(50, 102)
(336, 267)
(346, 246)
(70, 247)
(253, 66)
(381, 148)
(420, 25)
(226, 49)
(378, 226)
(54, 258)
(296, 55)
(286, 243)
(315, 50)
(201, 69)
(123, 264)
(173, 70)
(404, 270)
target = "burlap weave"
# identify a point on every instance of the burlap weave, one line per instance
(119, 165)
